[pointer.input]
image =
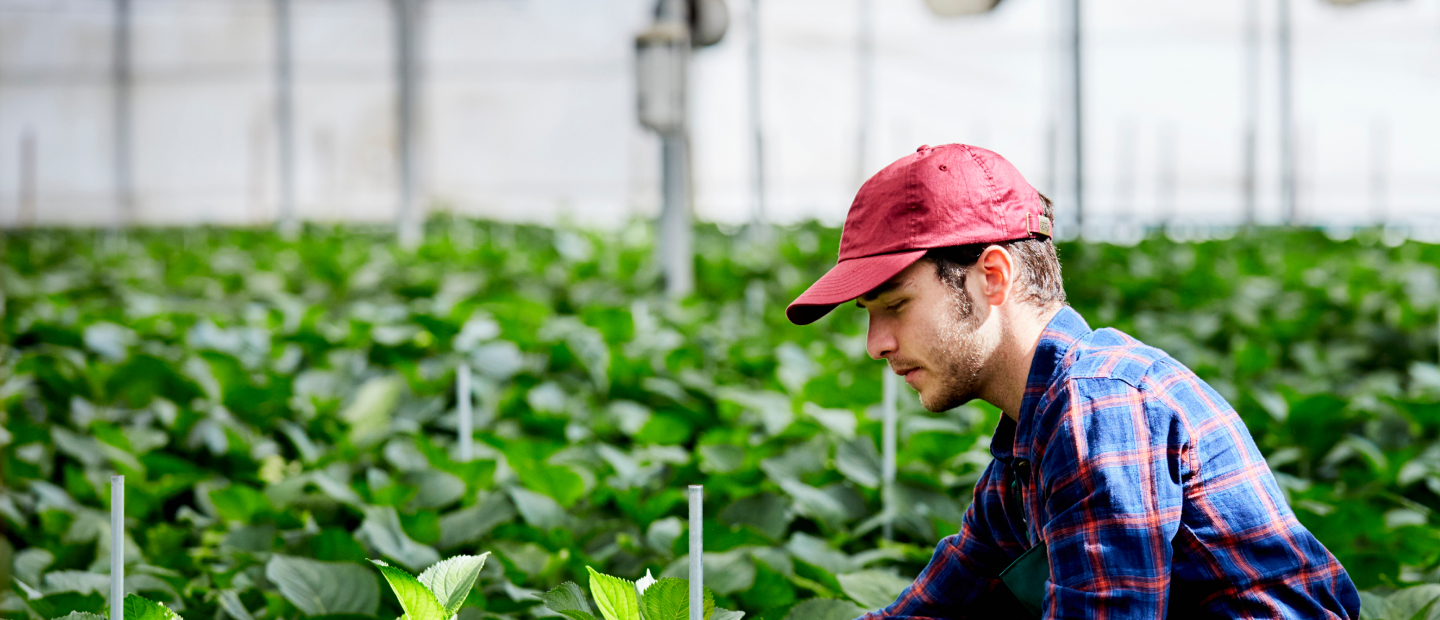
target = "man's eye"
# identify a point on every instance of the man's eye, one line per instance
(895, 306)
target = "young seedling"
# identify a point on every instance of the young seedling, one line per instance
(440, 590)
(621, 599)
(136, 607)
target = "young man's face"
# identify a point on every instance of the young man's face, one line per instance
(918, 325)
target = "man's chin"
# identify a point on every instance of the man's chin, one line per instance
(937, 402)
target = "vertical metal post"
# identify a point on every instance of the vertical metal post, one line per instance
(889, 411)
(120, 75)
(285, 118)
(1379, 171)
(1251, 155)
(676, 230)
(1125, 171)
(697, 553)
(25, 214)
(1287, 120)
(409, 218)
(1077, 113)
(1166, 173)
(757, 160)
(865, 87)
(463, 400)
(117, 547)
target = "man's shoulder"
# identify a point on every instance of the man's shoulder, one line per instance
(1111, 354)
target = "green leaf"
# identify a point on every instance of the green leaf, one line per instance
(614, 596)
(825, 609)
(81, 615)
(140, 608)
(417, 600)
(568, 600)
(872, 589)
(238, 502)
(451, 580)
(383, 532)
(319, 588)
(556, 481)
(859, 461)
(726, 614)
(369, 412)
(669, 599)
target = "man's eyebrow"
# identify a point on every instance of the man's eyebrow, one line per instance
(880, 290)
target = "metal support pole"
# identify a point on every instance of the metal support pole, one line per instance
(121, 111)
(1380, 171)
(676, 231)
(865, 87)
(1251, 157)
(1287, 120)
(889, 411)
(697, 553)
(285, 118)
(463, 399)
(409, 217)
(117, 547)
(1077, 118)
(757, 161)
(25, 214)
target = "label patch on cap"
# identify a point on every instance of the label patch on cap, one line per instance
(1040, 225)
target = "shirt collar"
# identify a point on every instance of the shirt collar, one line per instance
(1012, 440)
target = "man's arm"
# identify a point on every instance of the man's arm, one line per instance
(1112, 474)
(962, 578)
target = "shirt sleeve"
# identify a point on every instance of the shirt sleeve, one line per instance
(1112, 476)
(962, 578)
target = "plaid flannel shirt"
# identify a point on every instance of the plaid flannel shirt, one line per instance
(1149, 491)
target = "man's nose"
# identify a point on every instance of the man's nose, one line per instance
(879, 341)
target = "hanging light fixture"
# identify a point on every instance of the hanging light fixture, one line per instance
(955, 8)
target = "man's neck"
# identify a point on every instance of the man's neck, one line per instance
(1018, 346)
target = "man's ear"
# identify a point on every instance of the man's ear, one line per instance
(997, 274)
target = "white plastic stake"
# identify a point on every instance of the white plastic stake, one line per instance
(887, 457)
(697, 553)
(117, 547)
(467, 422)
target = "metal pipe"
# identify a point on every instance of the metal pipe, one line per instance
(25, 214)
(697, 553)
(1251, 157)
(1077, 113)
(117, 547)
(121, 76)
(676, 231)
(865, 87)
(889, 413)
(1287, 111)
(285, 118)
(462, 399)
(757, 162)
(408, 218)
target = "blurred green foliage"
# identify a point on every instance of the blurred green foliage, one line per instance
(273, 401)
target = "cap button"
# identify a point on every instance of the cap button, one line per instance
(923, 147)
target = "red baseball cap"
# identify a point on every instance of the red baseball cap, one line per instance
(936, 197)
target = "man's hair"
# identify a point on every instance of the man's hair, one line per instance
(1037, 278)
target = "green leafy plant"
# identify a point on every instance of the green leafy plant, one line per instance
(667, 598)
(136, 608)
(440, 591)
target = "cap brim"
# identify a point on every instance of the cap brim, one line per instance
(845, 281)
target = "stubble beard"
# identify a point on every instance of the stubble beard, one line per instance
(960, 353)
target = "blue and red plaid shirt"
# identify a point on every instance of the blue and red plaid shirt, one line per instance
(1149, 491)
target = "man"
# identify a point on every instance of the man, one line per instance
(1123, 486)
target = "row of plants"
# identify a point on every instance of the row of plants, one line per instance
(288, 407)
